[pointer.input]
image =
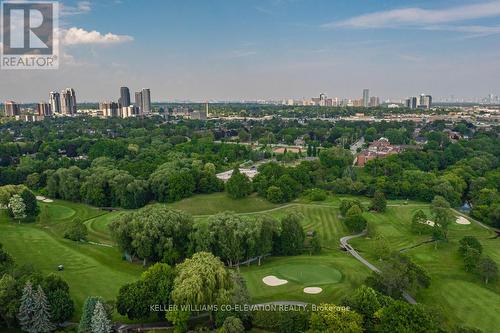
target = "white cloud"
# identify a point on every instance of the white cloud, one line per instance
(82, 7)
(419, 16)
(79, 36)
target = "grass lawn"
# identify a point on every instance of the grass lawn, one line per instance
(90, 270)
(459, 295)
(333, 270)
(209, 204)
(100, 270)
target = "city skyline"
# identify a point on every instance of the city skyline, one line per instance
(271, 50)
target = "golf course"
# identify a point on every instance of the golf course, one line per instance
(98, 268)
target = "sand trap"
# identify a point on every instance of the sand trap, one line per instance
(429, 222)
(462, 220)
(40, 198)
(273, 281)
(48, 200)
(313, 290)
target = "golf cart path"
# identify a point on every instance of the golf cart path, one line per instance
(344, 243)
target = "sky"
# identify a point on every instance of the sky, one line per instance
(269, 49)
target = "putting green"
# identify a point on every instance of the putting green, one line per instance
(308, 274)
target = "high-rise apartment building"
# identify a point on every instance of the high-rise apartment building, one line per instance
(109, 109)
(366, 98)
(124, 97)
(146, 100)
(68, 102)
(44, 109)
(425, 101)
(411, 103)
(12, 109)
(55, 102)
(374, 101)
(138, 101)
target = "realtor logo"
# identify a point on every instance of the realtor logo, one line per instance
(29, 35)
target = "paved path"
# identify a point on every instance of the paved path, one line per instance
(344, 241)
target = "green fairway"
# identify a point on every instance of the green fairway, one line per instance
(462, 297)
(98, 227)
(88, 269)
(209, 204)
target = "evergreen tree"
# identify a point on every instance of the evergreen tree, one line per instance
(27, 309)
(100, 322)
(87, 313)
(41, 318)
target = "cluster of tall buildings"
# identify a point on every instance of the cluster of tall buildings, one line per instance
(64, 104)
(366, 101)
(125, 108)
(421, 102)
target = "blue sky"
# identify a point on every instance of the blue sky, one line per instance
(249, 49)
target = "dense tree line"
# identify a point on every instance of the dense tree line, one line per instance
(156, 233)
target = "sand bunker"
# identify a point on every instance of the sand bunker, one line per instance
(313, 290)
(429, 222)
(462, 220)
(43, 199)
(273, 281)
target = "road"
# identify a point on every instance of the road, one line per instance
(344, 242)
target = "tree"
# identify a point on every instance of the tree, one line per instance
(9, 300)
(201, 280)
(17, 207)
(233, 325)
(239, 185)
(275, 194)
(291, 239)
(60, 302)
(27, 309)
(345, 205)
(333, 318)
(154, 233)
(487, 269)
(403, 317)
(469, 242)
(77, 231)
(354, 219)
(179, 319)
(31, 203)
(85, 325)
(379, 204)
(154, 287)
(41, 313)
(442, 213)
(100, 322)
(365, 301)
(471, 259)
(419, 223)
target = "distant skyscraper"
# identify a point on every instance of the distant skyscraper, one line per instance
(138, 101)
(12, 109)
(55, 102)
(68, 102)
(124, 97)
(374, 101)
(425, 101)
(146, 100)
(366, 98)
(44, 109)
(411, 103)
(109, 109)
